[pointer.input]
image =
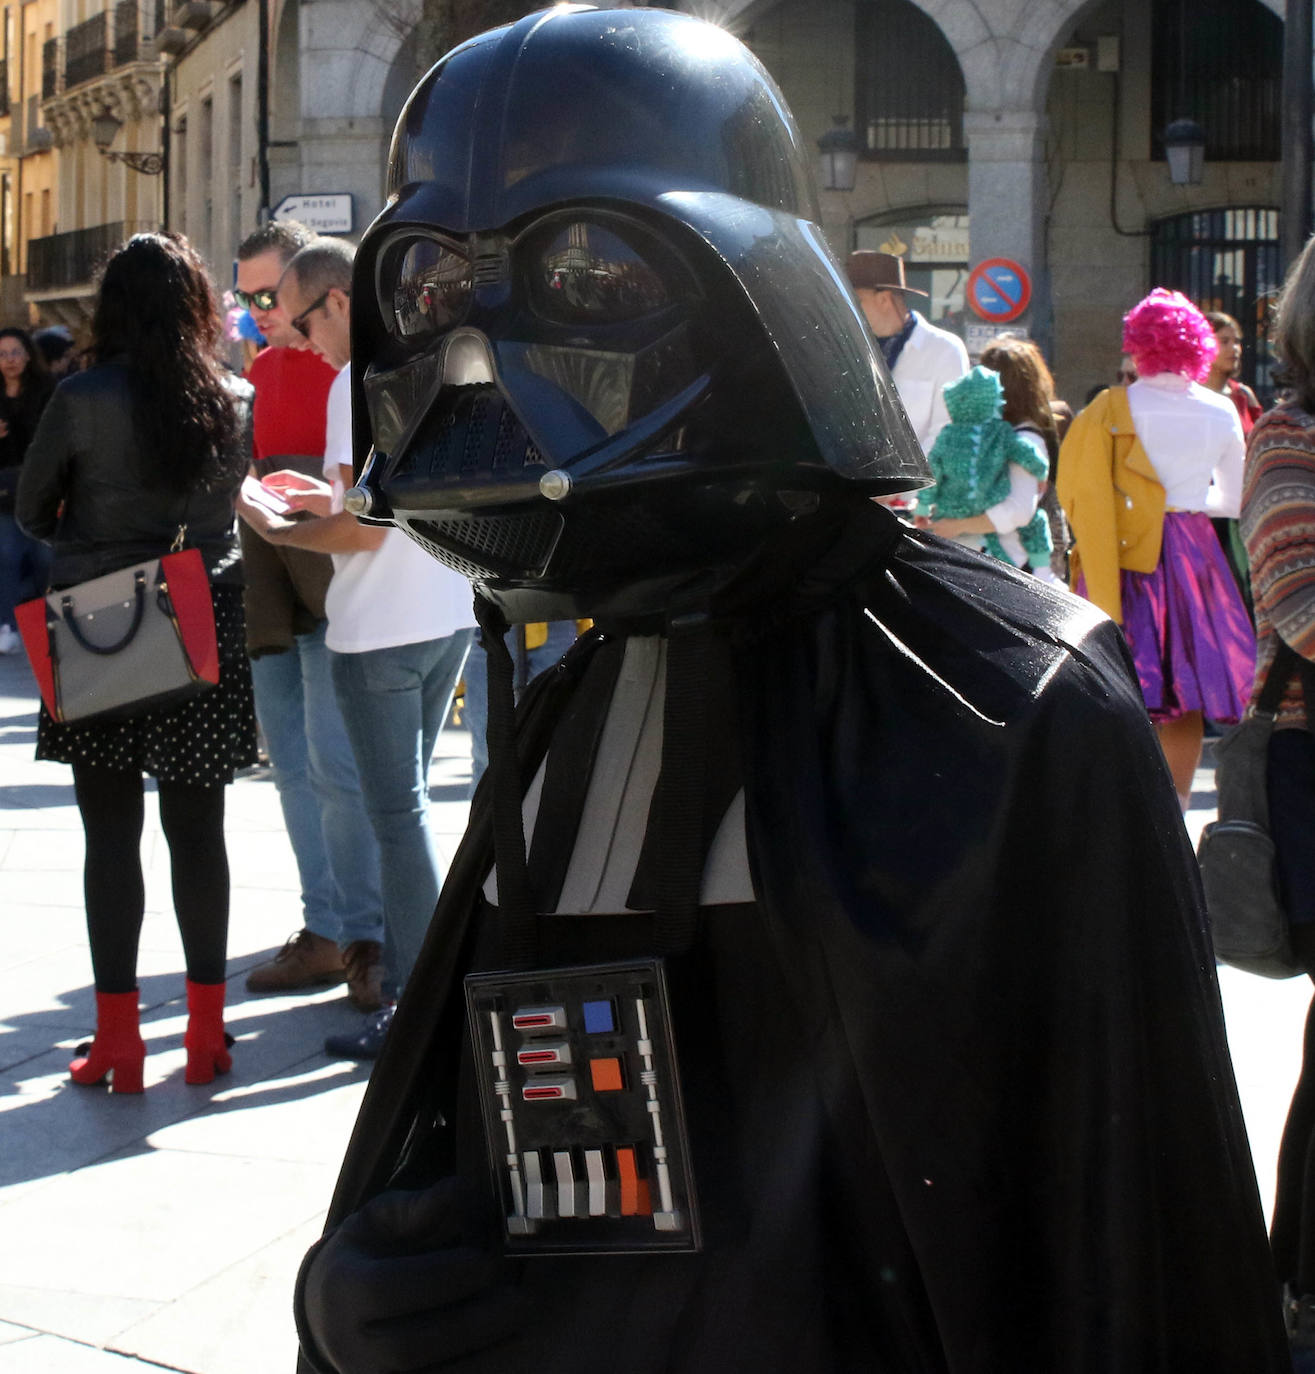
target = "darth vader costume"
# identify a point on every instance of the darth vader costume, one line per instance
(822, 983)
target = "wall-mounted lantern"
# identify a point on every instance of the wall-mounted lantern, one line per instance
(1184, 148)
(104, 130)
(838, 164)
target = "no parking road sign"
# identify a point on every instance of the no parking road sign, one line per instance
(999, 290)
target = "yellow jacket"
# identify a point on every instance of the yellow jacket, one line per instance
(1112, 497)
(536, 633)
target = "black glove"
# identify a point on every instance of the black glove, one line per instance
(410, 1283)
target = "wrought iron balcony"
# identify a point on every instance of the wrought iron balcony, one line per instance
(127, 33)
(70, 260)
(50, 68)
(87, 50)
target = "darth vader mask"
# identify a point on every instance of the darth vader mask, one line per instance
(605, 350)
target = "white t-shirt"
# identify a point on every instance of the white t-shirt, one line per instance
(395, 594)
(1193, 437)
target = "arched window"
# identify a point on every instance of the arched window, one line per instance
(908, 87)
(1220, 63)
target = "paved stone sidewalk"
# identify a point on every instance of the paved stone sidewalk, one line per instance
(162, 1230)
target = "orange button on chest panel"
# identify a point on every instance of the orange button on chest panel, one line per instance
(634, 1190)
(606, 1075)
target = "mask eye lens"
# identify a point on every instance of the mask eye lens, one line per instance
(587, 274)
(425, 287)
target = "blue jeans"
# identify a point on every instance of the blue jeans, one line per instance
(24, 565)
(315, 773)
(561, 635)
(394, 702)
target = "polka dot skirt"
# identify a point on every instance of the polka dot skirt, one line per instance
(200, 742)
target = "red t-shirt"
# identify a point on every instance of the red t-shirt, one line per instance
(1249, 409)
(292, 398)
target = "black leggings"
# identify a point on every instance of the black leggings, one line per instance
(192, 818)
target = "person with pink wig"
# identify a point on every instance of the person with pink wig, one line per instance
(1142, 470)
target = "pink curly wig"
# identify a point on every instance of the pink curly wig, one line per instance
(1167, 333)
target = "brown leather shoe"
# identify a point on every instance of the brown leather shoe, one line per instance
(364, 974)
(307, 960)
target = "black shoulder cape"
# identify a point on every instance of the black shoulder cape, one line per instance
(977, 897)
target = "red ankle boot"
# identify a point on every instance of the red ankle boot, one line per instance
(206, 1041)
(117, 1050)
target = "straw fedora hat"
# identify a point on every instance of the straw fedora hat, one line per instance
(872, 271)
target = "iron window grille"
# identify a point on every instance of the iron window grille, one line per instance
(1220, 64)
(908, 86)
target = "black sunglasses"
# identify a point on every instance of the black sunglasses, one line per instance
(300, 325)
(264, 299)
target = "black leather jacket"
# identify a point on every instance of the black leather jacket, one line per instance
(85, 458)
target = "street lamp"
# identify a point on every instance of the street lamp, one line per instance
(104, 129)
(838, 165)
(1184, 148)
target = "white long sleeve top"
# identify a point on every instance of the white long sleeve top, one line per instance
(1193, 438)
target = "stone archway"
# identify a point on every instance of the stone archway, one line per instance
(331, 65)
(400, 82)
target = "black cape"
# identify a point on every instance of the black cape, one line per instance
(1002, 1133)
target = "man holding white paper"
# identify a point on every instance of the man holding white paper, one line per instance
(395, 658)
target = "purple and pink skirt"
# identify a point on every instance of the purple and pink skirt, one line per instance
(1189, 633)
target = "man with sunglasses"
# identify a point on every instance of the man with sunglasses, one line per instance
(314, 767)
(395, 660)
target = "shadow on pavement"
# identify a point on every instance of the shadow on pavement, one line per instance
(54, 1126)
(36, 795)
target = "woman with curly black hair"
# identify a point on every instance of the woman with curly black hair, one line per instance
(153, 437)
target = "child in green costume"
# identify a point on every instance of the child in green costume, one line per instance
(970, 460)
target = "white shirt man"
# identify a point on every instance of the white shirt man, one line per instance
(924, 357)
(399, 631)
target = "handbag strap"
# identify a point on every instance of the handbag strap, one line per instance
(180, 535)
(1286, 659)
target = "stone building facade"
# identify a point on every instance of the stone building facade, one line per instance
(1058, 165)
(1025, 130)
(102, 63)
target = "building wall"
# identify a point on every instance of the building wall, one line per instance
(1098, 245)
(1042, 154)
(214, 190)
(35, 167)
(330, 63)
(99, 198)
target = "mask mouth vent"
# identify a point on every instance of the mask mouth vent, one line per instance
(476, 435)
(491, 268)
(513, 545)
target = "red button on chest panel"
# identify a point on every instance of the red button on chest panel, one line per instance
(548, 1089)
(544, 1053)
(539, 1018)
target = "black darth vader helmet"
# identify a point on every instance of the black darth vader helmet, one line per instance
(601, 345)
